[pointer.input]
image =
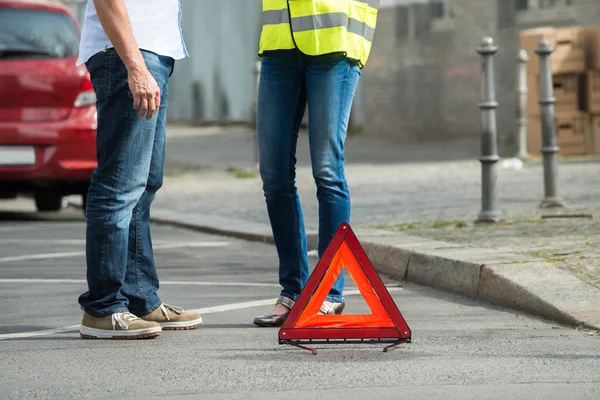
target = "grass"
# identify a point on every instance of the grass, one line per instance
(458, 224)
(449, 247)
(355, 131)
(174, 173)
(179, 172)
(242, 173)
(399, 227)
(517, 262)
(437, 224)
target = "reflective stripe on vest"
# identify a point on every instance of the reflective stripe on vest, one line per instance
(320, 26)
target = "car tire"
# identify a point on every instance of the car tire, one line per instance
(48, 201)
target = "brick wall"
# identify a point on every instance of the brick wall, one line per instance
(423, 81)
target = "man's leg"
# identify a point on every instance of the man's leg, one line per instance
(331, 83)
(124, 150)
(141, 280)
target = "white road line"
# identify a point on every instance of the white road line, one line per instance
(28, 227)
(44, 241)
(47, 256)
(66, 329)
(190, 244)
(180, 283)
(235, 306)
(74, 242)
(201, 311)
(349, 290)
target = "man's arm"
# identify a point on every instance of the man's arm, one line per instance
(115, 22)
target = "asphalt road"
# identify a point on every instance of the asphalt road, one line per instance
(461, 349)
(196, 148)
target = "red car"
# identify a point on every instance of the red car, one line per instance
(47, 105)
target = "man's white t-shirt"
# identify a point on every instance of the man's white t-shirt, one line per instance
(156, 26)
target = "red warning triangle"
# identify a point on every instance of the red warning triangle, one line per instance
(384, 324)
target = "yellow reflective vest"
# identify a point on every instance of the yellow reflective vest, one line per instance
(318, 27)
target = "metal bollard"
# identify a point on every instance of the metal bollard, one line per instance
(489, 152)
(522, 151)
(549, 147)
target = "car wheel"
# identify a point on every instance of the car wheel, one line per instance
(48, 200)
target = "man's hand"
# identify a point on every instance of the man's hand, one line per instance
(115, 22)
(146, 94)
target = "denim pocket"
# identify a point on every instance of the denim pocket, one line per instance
(101, 67)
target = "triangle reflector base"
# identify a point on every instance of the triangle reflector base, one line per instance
(305, 325)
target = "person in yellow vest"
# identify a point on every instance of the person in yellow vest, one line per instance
(312, 53)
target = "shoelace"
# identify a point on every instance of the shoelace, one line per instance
(165, 307)
(122, 319)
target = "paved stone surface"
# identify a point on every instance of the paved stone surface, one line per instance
(425, 190)
(462, 349)
(571, 244)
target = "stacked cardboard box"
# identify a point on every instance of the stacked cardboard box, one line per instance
(568, 65)
(591, 95)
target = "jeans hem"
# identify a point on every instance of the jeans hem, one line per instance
(105, 313)
(335, 299)
(148, 310)
(293, 297)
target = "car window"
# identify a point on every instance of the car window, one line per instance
(26, 33)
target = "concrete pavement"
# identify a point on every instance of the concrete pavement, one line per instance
(462, 348)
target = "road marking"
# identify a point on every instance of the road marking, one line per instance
(44, 241)
(66, 329)
(349, 290)
(235, 306)
(48, 256)
(28, 227)
(201, 311)
(181, 283)
(190, 244)
(65, 241)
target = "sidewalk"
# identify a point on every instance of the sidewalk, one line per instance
(413, 208)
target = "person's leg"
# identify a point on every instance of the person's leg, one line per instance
(125, 144)
(281, 107)
(331, 83)
(141, 279)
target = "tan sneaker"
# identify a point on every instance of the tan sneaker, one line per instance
(173, 318)
(123, 325)
(329, 307)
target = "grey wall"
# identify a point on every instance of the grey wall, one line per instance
(423, 80)
(217, 82)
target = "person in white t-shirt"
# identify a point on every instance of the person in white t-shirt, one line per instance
(129, 48)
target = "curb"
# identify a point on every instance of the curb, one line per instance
(537, 287)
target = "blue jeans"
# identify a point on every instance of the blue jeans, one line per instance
(289, 81)
(121, 273)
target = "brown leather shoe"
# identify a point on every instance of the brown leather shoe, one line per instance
(272, 320)
(173, 318)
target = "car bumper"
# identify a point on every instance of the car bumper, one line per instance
(64, 150)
